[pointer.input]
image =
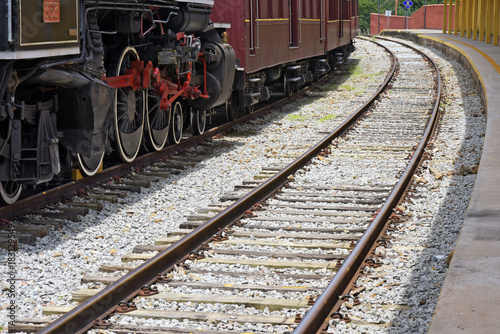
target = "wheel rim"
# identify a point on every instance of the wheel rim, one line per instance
(158, 122)
(177, 124)
(198, 121)
(287, 87)
(129, 111)
(90, 166)
(232, 109)
(10, 192)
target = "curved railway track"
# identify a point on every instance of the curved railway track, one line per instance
(65, 188)
(300, 237)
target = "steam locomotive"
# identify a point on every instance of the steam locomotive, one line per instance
(81, 79)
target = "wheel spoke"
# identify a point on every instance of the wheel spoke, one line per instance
(158, 122)
(198, 121)
(175, 134)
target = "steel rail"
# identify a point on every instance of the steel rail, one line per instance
(27, 205)
(82, 317)
(314, 320)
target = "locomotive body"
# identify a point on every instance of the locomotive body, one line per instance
(84, 78)
(47, 29)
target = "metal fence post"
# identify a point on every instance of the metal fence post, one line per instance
(445, 7)
(496, 21)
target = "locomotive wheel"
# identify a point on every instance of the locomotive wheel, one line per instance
(158, 123)
(232, 108)
(288, 87)
(250, 109)
(198, 121)
(10, 192)
(129, 111)
(177, 124)
(90, 166)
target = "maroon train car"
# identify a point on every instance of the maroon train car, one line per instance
(294, 41)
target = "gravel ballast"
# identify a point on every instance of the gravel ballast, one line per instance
(403, 299)
(50, 271)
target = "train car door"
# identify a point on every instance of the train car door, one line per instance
(332, 24)
(293, 8)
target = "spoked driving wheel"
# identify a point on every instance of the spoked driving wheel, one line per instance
(90, 166)
(9, 192)
(129, 111)
(198, 121)
(176, 124)
(158, 122)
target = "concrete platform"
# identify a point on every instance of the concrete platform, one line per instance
(470, 298)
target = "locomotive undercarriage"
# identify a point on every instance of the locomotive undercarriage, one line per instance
(145, 74)
(284, 79)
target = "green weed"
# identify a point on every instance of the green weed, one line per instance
(327, 117)
(299, 118)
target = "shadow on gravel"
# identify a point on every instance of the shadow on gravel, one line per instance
(98, 237)
(310, 95)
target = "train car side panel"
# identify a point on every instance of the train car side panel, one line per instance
(279, 39)
(274, 32)
(288, 41)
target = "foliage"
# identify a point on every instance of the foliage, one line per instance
(371, 6)
(365, 8)
(327, 117)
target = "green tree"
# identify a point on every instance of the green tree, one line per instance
(366, 7)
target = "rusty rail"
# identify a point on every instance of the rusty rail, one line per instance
(27, 205)
(82, 317)
(315, 318)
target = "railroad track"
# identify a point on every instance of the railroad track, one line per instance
(47, 209)
(291, 245)
(64, 186)
(40, 212)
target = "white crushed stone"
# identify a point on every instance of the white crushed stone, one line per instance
(51, 270)
(402, 299)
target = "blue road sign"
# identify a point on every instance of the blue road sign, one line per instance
(407, 3)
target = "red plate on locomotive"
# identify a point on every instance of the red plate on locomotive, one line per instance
(51, 11)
